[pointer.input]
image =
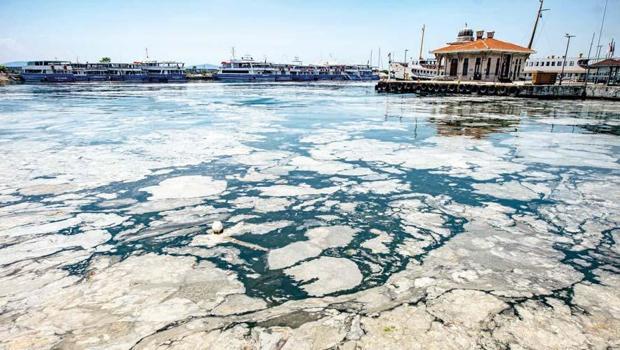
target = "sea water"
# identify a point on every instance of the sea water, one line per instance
(324, 189)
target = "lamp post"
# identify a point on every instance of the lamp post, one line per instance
(568, 36)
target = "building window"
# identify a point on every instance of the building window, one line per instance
(548, 63)
(572, 63)
(465, 66)
(488, 70)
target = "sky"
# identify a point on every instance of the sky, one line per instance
(316, 31)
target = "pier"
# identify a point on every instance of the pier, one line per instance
(443, 88)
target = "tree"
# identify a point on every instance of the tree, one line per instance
(105, 60)
(2, 68)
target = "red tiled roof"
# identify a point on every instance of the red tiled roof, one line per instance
(487, 44)
(610, 62)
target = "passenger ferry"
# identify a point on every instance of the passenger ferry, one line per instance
(91, 71)
(130, 72)
(416, 70)
(360, 73)
(331, 72)
(48, 71)
(246, 69)
(163, 72)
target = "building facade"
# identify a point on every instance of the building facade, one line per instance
(553, 64)
(575, 69)
(481, 58)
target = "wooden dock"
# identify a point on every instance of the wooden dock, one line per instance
(441, 88)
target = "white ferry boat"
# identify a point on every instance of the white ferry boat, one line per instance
(246, 69)
(90, 71)
(47, 71)
(360, 73)
(131, 72)
(415, 70)
(163, 72)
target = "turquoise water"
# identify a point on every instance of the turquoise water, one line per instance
(296, 157)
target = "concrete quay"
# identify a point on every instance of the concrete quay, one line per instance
(439, 88)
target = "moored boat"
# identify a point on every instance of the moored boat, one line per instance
(47, 71)
(246, 69)
(129, 72)
(163, 72)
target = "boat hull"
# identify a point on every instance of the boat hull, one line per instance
(131, 78)
(243, 77)
(305, 77)
(77, 77)
(98, 77)
(165, 78)
(48, 78)
(323, 76)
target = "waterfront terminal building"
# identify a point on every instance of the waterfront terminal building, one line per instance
(481, 58)
(575, 69)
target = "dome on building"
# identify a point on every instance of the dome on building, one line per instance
(465, 34)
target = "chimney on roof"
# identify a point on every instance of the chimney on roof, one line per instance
(490, 34)
(479, 34)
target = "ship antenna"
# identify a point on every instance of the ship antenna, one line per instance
(600, 32)
(422, 41)
(146, 50)
(538, 16)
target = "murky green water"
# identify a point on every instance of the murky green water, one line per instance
(388, 174)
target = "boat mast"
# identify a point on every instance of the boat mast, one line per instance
(538, 16)
(585, 81)
(600, 32)
(422, 42)
(568, 36)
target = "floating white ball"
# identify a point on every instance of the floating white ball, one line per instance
(217, 227)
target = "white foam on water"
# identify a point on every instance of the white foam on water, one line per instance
(186, 187)
(328, 275)
(295, 191)
(378, 245)
(508, 190)
(319, 239)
